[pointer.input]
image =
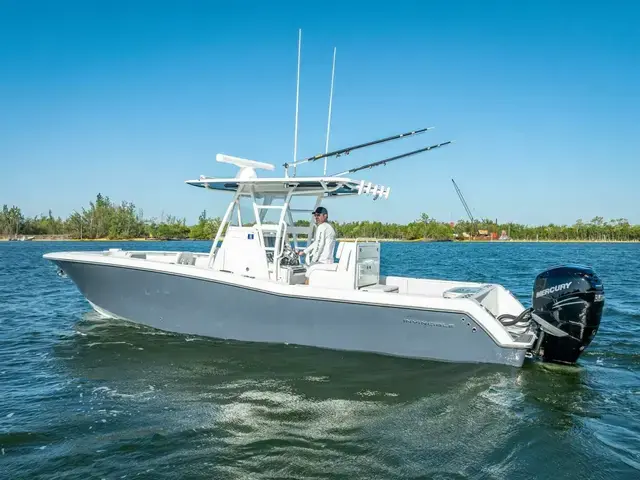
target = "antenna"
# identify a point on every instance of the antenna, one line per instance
(326, 145)
(295, 135)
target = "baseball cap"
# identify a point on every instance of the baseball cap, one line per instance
(320, 210)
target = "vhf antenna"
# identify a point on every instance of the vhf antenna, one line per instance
(295, 134)
(326, 145)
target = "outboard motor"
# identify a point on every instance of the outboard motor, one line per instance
(567, 306)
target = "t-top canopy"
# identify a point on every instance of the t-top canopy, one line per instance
(247, 182)
(329, 186)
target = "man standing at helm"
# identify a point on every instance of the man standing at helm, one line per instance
(324, 243)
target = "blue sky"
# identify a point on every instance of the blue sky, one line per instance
(132, 98)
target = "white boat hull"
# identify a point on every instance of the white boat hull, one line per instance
(196, 301)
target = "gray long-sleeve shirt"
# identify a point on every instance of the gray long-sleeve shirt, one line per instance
(323, 245)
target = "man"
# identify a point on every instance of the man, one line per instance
(324, 243)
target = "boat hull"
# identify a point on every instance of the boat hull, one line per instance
(201, 306)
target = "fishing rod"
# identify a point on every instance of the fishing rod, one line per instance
(347, 150)
(391, 159)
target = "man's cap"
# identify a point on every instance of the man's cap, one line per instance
(320, 210)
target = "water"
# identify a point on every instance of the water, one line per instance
(81, 397)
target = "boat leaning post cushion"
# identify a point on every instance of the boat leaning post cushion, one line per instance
(252, 287)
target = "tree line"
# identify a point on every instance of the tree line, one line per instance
(106, 219)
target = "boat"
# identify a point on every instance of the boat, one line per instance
(252, 285)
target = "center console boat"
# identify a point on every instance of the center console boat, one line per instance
(251, 286)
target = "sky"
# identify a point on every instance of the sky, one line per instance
(130, 99)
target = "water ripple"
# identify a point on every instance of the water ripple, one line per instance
(83, 397)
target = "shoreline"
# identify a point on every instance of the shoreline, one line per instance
(346, 239)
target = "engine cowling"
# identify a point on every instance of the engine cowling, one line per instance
(569, 298)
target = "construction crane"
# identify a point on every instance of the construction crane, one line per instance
(466, 207)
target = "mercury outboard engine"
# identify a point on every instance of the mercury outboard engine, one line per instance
(567, 306)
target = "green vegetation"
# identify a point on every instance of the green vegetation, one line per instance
(105, 219)
(428, 228)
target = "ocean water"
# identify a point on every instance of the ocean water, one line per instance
(83, 397)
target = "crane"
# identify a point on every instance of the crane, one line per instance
(466, 207)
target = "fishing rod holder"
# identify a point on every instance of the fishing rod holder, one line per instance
(376, 191)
